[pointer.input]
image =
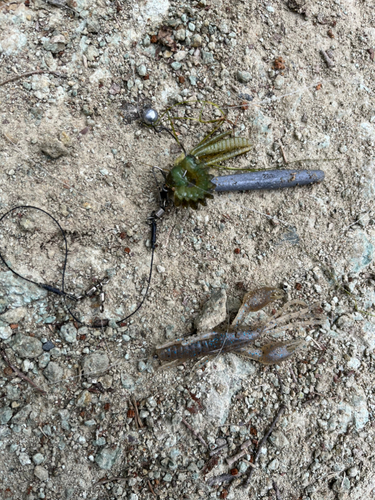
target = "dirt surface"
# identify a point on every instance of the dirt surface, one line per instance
(295, 78)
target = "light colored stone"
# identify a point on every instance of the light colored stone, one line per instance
(154, 9)
(279, 82)
(14, 315)
(84, 399)
(180, 34)
(196, 40)
(25, 346)
(5, 332)
(41, 473)
(38, 458)
(5, 415)
(107, 458)
(24, 459)
(95, 363)
(68, 333)
(180, 55)
(54, 372)
(53, 147)
(213, 312)
(244, 76)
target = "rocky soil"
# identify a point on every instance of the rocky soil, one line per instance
(104, 421)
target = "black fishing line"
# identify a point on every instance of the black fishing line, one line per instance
(61, 291)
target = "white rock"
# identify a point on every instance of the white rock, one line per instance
(41, 473)
(180, 55)
(24, 459)
(5, 332)
(154, 9)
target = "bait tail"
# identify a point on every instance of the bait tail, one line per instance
(234, 145)
(213, 160)
(208, 142)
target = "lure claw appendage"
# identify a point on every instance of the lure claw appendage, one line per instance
(274, 353)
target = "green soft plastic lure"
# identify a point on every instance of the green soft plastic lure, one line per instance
(189, 182)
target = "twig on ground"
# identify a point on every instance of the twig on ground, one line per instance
(42, 431)
(62, 4)
(246, 444)
(110, 480)
(218, 450)
(220, 479)
(357, 220)
(196, 434)
(327, 59)
(240, 454)
(151, 488)
(20, 374)
(280, 383)
(277, 491)
(293, 376)
(283, 154)
(263, 441)
(30, 73)
(208, 466)
(320, 347)
(137, 417)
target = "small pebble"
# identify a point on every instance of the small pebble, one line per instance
(107, 457)
(5, 415)
(243, 76)
(142, 366)
(38, 458)
(95, 363)
(180, 35)
(53, 372)
(5, 332)
(47, 346)
(68, 333)
(279, 82)
(127, 381)
(41, 473)
(196, 40)
(142, 70)
(352, 472)
(24, 459)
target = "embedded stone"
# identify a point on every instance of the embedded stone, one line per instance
(25, 346)
(95, 363)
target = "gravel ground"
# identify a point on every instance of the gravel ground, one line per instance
(105, 422)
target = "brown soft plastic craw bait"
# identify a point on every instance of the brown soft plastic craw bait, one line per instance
(238, 338)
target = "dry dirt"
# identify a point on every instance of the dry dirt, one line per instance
(261, 62)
